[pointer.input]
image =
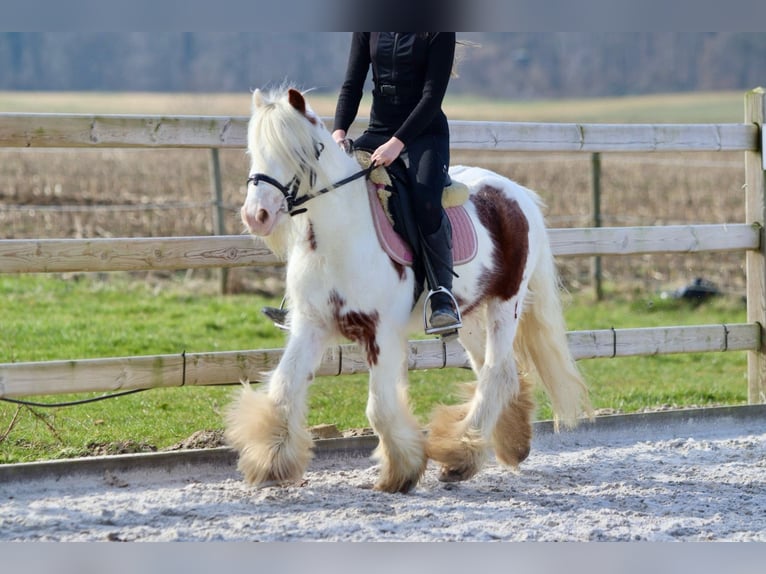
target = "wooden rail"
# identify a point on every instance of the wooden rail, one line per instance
(143, 253)
(195, 369)
(56, 130)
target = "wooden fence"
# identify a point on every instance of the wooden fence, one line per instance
(125, 373)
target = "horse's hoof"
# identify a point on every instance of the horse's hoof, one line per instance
(407, 486)
(522, 454)
(403, 487)
(448, 474)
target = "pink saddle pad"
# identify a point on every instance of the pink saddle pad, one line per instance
(464, 241)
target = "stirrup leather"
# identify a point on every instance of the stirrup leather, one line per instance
(444, 330)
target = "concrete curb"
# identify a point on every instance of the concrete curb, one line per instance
(353, 447)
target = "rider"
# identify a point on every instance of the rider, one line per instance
(410, 72)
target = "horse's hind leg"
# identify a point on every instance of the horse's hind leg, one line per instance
(445, 418)
(512, 436)
(460, 437)
(267, 426)
(401, 450)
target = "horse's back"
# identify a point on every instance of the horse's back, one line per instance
(479, 179)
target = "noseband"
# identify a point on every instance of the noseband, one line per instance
(290, 191)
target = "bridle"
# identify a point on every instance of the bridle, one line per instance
(290, 190)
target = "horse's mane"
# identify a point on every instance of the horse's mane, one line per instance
(290, 139)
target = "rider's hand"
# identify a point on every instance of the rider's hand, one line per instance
(339, 136)
(343, 142)
(388, 152)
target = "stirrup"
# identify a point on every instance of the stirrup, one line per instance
(277, 316)
(446, 331)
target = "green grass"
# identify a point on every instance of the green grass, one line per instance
(44, 317)
(630, 384)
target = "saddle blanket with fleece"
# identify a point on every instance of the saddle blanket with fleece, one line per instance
(464, 241)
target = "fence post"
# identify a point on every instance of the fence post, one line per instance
(595, 164)
(755, 213)
(218, 211)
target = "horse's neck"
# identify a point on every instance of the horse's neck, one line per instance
(335, 220)
(327, 214)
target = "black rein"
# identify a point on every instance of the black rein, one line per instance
(290, 190)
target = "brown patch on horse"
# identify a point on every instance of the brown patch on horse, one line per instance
(312, 238)
(357, 326)
(509, 230)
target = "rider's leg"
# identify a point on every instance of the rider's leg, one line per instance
(428, 164)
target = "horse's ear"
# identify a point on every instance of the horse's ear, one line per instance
(258, 99)
(296, 100)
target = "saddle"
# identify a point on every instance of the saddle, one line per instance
(388, 191)
(395, 226)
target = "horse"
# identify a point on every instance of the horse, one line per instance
(307, 200)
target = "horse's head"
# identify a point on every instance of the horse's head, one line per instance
(285, 138)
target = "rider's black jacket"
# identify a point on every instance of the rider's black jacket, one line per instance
(410, 74)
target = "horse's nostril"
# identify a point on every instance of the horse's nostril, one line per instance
(261, 216)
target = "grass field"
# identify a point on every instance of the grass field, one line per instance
(114, 193)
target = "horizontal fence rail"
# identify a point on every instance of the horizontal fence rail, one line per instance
(221, 368)
(132, 254)
(56, 130)
(136, 254)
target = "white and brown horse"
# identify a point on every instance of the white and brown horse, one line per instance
(341, 284)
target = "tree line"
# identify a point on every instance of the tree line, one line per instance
(499, 64)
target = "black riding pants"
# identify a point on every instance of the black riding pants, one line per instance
(427, 163)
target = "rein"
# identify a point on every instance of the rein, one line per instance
(290, 191)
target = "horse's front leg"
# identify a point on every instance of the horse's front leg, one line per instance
(401, 450)
(267, 426)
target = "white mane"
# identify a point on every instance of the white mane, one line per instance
(278, 133)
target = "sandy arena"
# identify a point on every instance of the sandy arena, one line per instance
(686, 475)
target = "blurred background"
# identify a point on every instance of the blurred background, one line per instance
(506, 65)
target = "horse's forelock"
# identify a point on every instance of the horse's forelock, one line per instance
(289, 135)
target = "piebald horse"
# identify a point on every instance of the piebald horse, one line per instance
(307, 198)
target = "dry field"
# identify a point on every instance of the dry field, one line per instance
(119, 192)
(134, 193)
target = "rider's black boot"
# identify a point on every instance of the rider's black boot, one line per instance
(438, 247)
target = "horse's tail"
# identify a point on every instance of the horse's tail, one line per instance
(541, 344)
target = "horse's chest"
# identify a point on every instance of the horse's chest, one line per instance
(335, 255)
(345, 280)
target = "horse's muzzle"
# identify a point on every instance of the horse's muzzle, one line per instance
(259, 221)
